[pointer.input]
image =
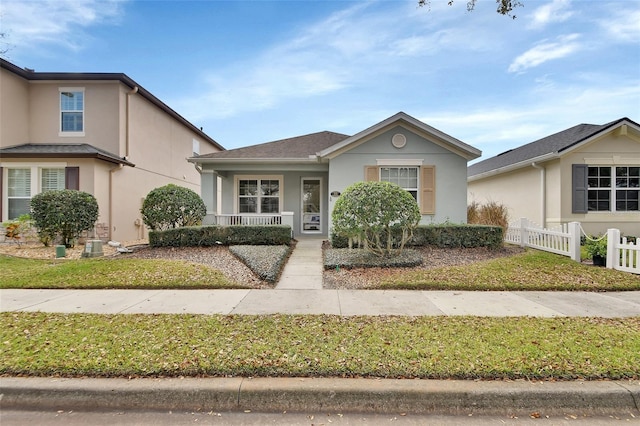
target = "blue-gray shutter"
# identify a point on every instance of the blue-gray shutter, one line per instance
(579, 188)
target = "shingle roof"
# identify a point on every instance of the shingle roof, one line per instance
(300, 147)
(80, 150)
(553, 144)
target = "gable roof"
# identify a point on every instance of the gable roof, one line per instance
(290, 149)
(543, 149)
(79, 150)
(413, 124)
(31, 75)
(317, 146)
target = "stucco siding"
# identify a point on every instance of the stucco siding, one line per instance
(14, 109)
(519, 191)
(609, 150)
(451, 184)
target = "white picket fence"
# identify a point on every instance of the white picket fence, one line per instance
(621, 254)
(565, 240)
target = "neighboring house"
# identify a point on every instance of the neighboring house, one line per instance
(101, 133)
(304, 175)
(588, 173)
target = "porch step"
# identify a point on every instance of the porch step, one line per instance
(303, 270)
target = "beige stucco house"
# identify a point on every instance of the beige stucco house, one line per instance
(588, 173)
(101, 133)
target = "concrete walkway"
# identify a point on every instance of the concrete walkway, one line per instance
(304, 267)
(332, 302)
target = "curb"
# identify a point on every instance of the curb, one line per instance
(445, 397)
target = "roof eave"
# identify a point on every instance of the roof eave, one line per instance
(465, 150)
(98, 156)
(514, 166)
(199, 160)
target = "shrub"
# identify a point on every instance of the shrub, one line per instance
(491, 213)
(445, 236)
(372, 211)
(172, 206)
(203, 236)
(14, 230)
(65, 213)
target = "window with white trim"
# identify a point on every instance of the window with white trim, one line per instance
(405, 177)
(613, 188)
(259, 195)
(71, 111)
(18, 192)
(21, 186)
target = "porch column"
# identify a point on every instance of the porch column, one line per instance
(287, 219)
(209, 191)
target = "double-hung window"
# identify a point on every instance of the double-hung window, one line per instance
(259, 195)
(405, 177)
(613, 188)
(71, 111)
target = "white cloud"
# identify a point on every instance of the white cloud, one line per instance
(546, 51)
(623, 25)
(556, 11)
(33, 23)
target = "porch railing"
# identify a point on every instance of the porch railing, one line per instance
(284, 218)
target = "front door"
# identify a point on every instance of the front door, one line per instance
(311, 205)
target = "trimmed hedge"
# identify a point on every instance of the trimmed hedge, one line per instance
(445, 236)
(198, 236)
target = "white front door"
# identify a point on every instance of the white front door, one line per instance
(311, 206)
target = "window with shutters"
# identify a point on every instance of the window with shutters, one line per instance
(419, 181)
(24, 182)
(613, 189)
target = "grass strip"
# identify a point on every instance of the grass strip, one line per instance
(45, 344)
(109, 273)
(531, 270)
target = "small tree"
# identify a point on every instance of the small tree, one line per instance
(372, 211)
(66, 213)
(172, 206)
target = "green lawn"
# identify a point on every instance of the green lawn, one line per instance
(44, 344)
(108, 273)
(531, 270)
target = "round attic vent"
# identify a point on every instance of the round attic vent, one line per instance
(399, 140)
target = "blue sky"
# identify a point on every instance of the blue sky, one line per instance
(255, 71)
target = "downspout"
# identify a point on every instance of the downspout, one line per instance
(543, 193)
(127, 120)
(111, 172)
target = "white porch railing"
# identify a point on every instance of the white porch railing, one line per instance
(238, 219)
(284, 218)
(622, 255)
(563, 240)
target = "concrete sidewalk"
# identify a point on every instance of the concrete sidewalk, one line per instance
(332, 302)
(304, 267)
(452, 397)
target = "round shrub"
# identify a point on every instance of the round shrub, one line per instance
(172, 206)
(65, 213)
(373, 212)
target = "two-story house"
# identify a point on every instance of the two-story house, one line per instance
(101, 133)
